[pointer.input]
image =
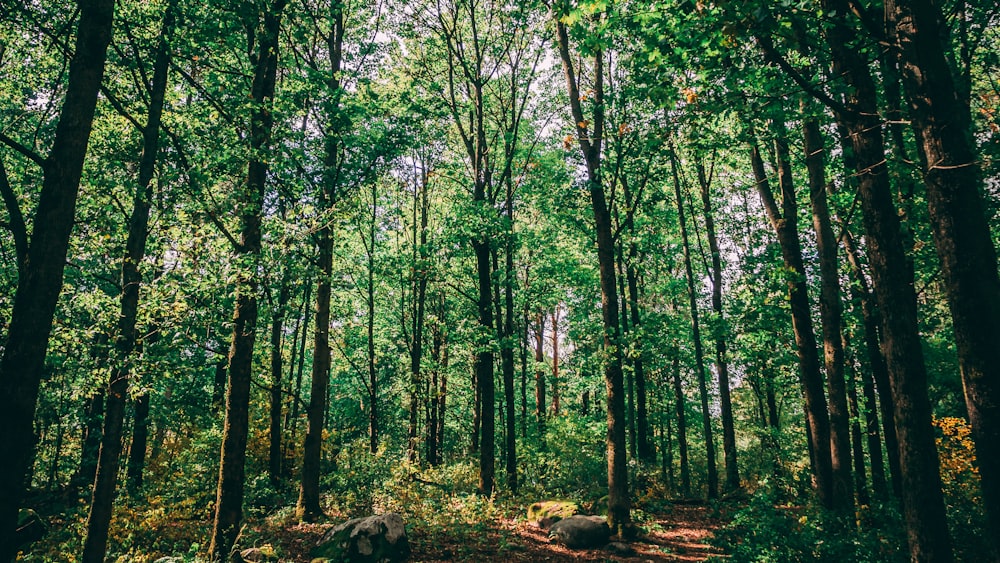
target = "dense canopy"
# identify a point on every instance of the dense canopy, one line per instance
(270, 262)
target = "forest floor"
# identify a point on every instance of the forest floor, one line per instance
(681, 534)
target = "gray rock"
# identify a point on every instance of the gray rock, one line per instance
(581, 532)
(373, 539)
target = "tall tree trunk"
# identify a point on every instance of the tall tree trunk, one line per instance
(682, 445)
(627, 359)
(507, 347)
(308, 505)
(719, 333)
(140, 440)
(373, 387)
(555, 361)
(857, 450)
(830, 312)
(274, 432)
(106, 477)
(421, 205)
(619, 512)
(699, 356)
(893, 280)
(40, 280)
(785, 226)
(232, 469)
(540, 402)
(923, 505)
(940, 113)
(871, 319)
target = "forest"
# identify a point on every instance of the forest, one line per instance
(705, 279)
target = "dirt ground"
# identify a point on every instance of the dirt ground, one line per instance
(681, 535)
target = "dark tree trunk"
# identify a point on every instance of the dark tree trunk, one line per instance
(590, 145)
(785, 226)
(540, 402)
(419, 288)
(627, 358)
(830, 313)
(877, 374)
(857, 449)
(699, 355)
(923, 505)
(555, 361)
(308, 507)
(106, 478)
(93, 415)
(232, 469)
(484, 365)
(274, 433)
(40, 282)
(140, 440)
(719, 330)
(940, 114)
(682, 445)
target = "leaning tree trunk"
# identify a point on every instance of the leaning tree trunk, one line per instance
(784, 223)
(943, 127)
(106, 478)
(40, 279)
(830, 313)
(232, 468)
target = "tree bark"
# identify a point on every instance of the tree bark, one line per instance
(540, 403)
(232, 468)
(923, 505)
(699, 355)
(40, 283)
(785, 226)
(682, 445)
(106, 477)
(830, 312)
(940, 114)
(719, 330)
(274, 457)
(619, 517)
(308, 506)
(140, 440)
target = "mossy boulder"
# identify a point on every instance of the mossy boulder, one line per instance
(546, 513)
(372, 539)
(581, 532)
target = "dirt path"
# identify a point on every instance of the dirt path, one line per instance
(681, 535)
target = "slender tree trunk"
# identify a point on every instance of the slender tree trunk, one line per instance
(274, 435)
(857, 450)
(419, 283)
(719, 333)
(627, 359)
(555, 361)
(229, 497)
(540, 403)
(940, 113)
(682, 445)
(785, 226)
(140, 440)
(699, 356)
(619, 512)
(308, 506)
(871, 320)
(106, 478)
(40, 281)
(830, 312)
